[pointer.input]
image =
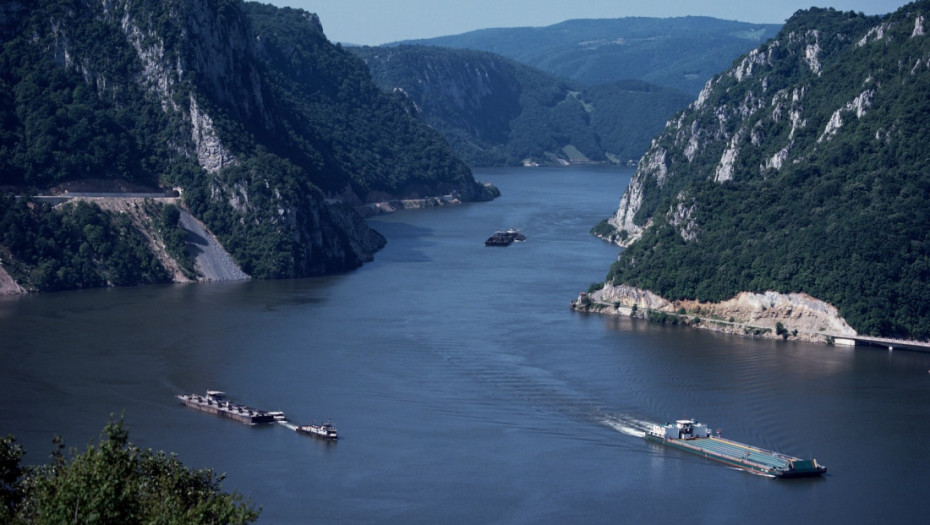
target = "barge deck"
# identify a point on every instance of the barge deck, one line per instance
(215, 402)
(694, 437)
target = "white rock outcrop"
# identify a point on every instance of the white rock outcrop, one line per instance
(758, 314)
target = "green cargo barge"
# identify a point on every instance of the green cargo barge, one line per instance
(690, 436)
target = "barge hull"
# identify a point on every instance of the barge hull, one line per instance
(745, 457)
(219, 406)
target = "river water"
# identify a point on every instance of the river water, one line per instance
(463, 387)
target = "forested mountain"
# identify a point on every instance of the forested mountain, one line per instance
(494, 111)
(803, 168)
(270, 132)
(678, 53)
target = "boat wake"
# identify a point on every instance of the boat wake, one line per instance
(628, 425)
(288, 424)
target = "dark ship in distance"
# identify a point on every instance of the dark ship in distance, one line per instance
(505, 238)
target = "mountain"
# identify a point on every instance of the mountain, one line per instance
(802, 168)
(677, 53)
(494, 111)
(270, 133)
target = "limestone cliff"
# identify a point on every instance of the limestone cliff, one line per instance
(769, 314)
(800, 170)
(271, 134)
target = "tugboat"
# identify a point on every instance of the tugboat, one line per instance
(215, 402)
(324, 431)
(694, 437)
(505, 238)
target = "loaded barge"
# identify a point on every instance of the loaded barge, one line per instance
(215, 402)
(690, 436)
(505, 238)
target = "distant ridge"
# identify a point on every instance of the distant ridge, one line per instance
(495, 111)
(679, 53)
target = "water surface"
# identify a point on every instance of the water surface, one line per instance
(465, 389)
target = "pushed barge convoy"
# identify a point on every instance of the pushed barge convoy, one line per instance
(504, 238)
(324, 431)
(696, 438)
(215, 402)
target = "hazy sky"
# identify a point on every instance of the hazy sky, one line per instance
(373, 22)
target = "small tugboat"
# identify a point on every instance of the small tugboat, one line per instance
(324, 431)
(505, 238)
(694, 437)
(215, 402)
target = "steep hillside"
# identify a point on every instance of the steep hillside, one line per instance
(678, 53)
(271, 133)
(803, 168)
(494, 111)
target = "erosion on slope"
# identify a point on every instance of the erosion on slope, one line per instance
(272, 134)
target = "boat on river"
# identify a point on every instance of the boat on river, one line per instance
(694, 437)
(324, 431)
(215, 402)
(505, 238)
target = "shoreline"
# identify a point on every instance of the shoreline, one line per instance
(770, 315)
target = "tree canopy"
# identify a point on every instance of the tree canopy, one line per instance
(113, 481)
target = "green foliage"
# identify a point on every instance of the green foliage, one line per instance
(80, 246)
(114, 482)
(175, 237)
(656, 316)
(845, 221)
(780, 330)
(337, 124)
(604, 229)
(67, 123)
(101, 91)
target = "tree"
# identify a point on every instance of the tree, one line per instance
(113, 482)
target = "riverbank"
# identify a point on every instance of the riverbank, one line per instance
(391, 206)
(794, 316)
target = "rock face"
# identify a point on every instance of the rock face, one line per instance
(271, 134)
(797, 170)
(759, 314)
(7, 285)
(211, 261)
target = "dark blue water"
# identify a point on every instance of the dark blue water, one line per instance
(463, 387)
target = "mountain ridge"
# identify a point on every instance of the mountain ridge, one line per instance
(495, 111)
(679, 53)
(271, 133)
(799, 169)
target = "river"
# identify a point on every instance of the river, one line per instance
(463, 387)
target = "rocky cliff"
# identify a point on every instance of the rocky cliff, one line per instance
(271, 134)
(799, 169)
(771, 314)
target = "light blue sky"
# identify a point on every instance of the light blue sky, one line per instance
(373, 22)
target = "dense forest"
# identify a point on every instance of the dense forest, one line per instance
(271, 133)
(113, 481)
(803, 168)
(494, 111)
(677, 53)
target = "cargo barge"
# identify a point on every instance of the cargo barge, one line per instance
(696, 438)
(215, 402)
(505, 238)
